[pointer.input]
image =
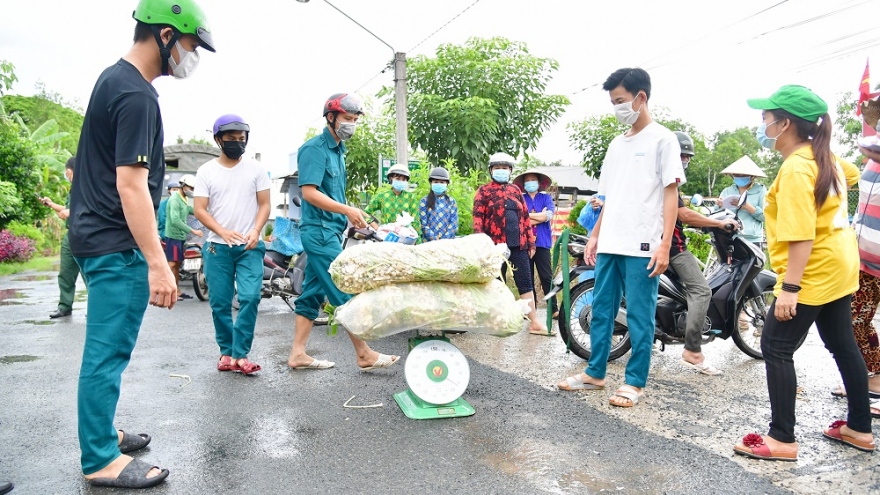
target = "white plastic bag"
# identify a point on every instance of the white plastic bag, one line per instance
(466, 260)
(480, 308)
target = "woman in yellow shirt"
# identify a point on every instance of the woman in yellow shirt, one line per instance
(816, 259)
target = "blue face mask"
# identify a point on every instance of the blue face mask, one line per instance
(761, 135)
(399, 185)
(742, 181)
(438, 188)
(501, 175)
(531, 186)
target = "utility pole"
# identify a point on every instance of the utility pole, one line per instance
(400, 105)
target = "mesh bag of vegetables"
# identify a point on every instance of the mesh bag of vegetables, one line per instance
(481, 308)
(472, 259)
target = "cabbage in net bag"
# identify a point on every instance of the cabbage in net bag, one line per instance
(472, 259)
(481, 308)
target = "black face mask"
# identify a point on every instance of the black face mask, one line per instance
(233, 149)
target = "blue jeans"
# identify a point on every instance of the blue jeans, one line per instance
(118, 295)
(322, 247)
(616, 275)
(225, 268)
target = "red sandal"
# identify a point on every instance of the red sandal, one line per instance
(227, 364)
(246, 367)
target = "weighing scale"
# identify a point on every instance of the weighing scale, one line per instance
(437, 373)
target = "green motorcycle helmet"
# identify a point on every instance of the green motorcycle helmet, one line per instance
(185, 16)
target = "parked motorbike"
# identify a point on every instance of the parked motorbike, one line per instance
(741, 290)
(194, 269)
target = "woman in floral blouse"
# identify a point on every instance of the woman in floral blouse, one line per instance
(438, 212)
(500, 212)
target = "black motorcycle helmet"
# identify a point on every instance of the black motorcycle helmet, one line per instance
(686, 143)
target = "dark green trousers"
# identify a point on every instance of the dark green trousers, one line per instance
(67, 274)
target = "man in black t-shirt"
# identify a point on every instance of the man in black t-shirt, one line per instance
(120, 167)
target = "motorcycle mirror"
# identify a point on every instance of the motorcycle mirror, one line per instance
(296, 200)
(697, 200)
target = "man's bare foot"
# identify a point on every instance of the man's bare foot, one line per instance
(583, 378)
(299, 360)
(113, 469)
(621, 401)
(693, 357)
(369, 357)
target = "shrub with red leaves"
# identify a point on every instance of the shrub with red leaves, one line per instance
(14, 248)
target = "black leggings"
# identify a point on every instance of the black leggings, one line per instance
(778, 342)
(522, 273)
(540, 262)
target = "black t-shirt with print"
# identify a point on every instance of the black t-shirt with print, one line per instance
(679, 241)
(122, 127)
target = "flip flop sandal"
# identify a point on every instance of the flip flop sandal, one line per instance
(753, 446)
(133, 476)
(383, 361)
(626, 392)
(703, 368)
(573, 383)
(841, 392)
(247, 367)
(316, 364)
(227, 364)
(130, 443)
(548, 333)
(833, 432)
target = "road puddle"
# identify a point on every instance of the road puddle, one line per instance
(33, 278)
(17, 359)
(10, 297)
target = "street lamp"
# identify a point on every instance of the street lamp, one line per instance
(399, 89)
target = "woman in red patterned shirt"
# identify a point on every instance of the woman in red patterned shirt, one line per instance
(500, 212)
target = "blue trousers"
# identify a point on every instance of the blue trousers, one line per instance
(322, 247)
(228, 267)
(617, 275)
(118, 295)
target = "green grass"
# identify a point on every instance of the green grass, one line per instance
(37, 263)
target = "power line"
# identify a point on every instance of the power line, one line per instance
(807, 21)
(712, 33)
(443, 26)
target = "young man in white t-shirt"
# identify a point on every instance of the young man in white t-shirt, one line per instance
(232, 202)
(630, 243)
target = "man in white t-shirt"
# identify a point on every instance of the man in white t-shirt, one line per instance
(630, 243)
(232, 202)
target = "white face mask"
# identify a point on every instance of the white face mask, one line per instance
(625, 112)
(188, 62)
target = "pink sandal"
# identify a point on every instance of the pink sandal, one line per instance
(246, 367)
(227, 364)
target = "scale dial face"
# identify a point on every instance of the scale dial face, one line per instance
(437, 372)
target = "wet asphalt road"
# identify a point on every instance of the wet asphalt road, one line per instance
(286, 431)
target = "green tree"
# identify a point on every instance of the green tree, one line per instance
(7, 76)
(375, 136)
(18, 166)
(485, 96)
(848, 127)
(35, 111)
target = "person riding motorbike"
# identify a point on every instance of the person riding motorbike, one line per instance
(689, 272)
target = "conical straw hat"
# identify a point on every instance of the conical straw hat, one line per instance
(744, 166)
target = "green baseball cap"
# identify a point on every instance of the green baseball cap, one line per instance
(796, 100)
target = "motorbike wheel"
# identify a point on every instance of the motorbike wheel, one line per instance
(200, 283)
(577, 334)
(755, 311)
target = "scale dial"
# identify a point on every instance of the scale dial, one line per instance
(437, 372)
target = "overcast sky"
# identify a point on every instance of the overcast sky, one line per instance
(278, 60)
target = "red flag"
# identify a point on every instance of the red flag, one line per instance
(864, 89)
